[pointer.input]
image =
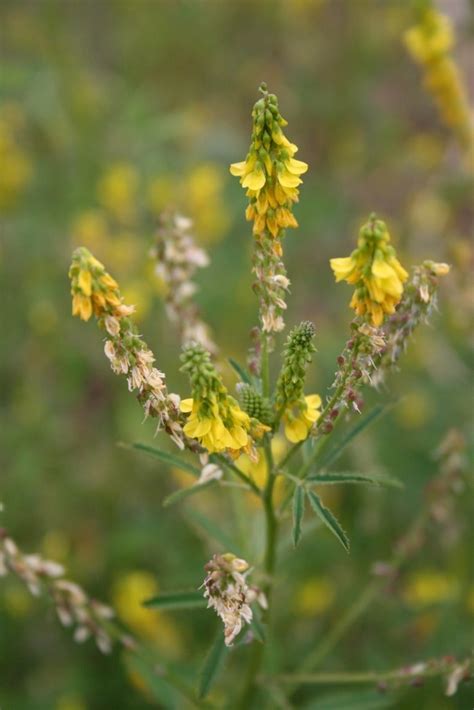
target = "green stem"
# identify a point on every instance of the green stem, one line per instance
(271, 532)
(363, 601)
(240, 474)
(428, 669)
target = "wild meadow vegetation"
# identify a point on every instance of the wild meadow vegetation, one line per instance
(238, 475)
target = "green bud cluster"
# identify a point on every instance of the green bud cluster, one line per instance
(202, 374)
(297, 356)
(254, 404)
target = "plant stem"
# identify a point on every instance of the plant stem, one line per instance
(243, 476)
(426, 669)
(271, 533)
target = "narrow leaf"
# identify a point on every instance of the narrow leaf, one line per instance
(165, 457)
(155, 684)
(351, 434)
(183, 493)
(370, 479)
(257, 626)
(241, 371)
(177, 600)
(329, 519)
(212, 665)
(298, 512)
(211, 530)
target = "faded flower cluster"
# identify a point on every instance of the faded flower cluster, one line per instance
(227, 591)
(73, 607)
(177, 260)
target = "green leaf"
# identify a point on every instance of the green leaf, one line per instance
(257, 626)
(165, 457)
(177, 600)
(351, 434)
(241, 371)
(159, 689)
(353, 699)
(298, 512)
(211, 530)
(183, 493)
(329, 519)
(212, 665)
(372, 479)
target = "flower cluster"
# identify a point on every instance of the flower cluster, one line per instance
(270, 173)
(227, 591)
(373, 268)
(215, 418)
(95, 291)
(429, 43)
(255, 404)
(299, 412)
(177, 260)
(271, 176)
(416, 307)
(73, 606)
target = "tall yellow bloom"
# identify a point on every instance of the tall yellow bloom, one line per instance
(375, 271)
(270, 173)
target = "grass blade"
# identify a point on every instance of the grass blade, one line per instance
(183, 493)
(329, 519)
(370, 479)
(177, 600)
(241, 371)
(298, 512)
(165, 457)
(212, 665)
(351, 434)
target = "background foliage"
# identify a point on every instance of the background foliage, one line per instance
(111, 111)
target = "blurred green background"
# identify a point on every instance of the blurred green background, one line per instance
(113, 110)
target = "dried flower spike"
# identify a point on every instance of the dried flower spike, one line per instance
(177, 260)
(373, 268)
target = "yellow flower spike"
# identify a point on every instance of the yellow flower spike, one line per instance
(270, 173)
(375, 271)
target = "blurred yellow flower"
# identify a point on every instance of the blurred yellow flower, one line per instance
(139, 293)
(414, 409)
(55, 545)
(428, 587)
(128, 594)
(204, 201)
(70, 701)
(161, 193)
(315, 596)
(117, 191)
(90, 229)
(258, 470)
(16, 167)
(17, 601)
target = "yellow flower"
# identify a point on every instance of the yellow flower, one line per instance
(300, 416)
(427, 587)
(315, 596)
(218, 423)
(117, 191)
(270, 173)
(432, 38)
(93, 290)
(375, 271)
